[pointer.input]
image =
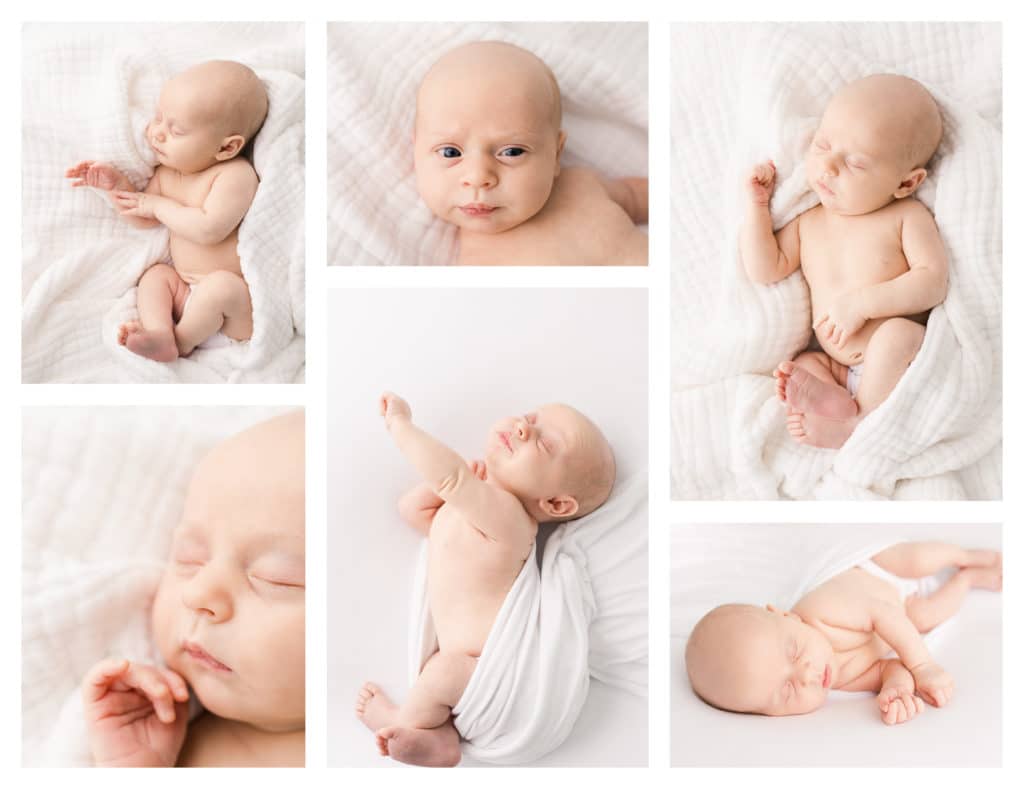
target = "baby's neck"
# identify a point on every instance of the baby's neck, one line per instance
(214, 741)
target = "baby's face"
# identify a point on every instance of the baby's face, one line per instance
(184, 134)
(487, 142)
(532, 456)
(784, 667)
(229, 614)
(857, 159)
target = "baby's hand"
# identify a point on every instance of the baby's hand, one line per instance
(99, 175)
(761, 183)
(136, 714)
(393, 407)
(933, 683)
(136, 204)
(479, 469)
(843, 320)
(898, 705)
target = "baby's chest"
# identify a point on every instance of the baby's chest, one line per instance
(190, 190)
(852, 254)
(456, 546)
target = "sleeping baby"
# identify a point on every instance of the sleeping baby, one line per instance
(742, 658)
(201, 189)
(228, 619)
(481, 522)
(870, 252)
(488, 142)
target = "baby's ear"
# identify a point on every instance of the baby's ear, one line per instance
(230, 147)
(559, 506)
(558, 153)
(910, 182)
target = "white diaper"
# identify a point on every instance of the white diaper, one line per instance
(922, 587)
(218, 340)
(853, 374)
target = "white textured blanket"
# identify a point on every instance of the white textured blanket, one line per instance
(582, 614)
(88, 94)
(102, 490)
(374, 214)
(745, 93)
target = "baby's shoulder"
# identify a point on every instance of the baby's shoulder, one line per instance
(239, 167)
(908, 209)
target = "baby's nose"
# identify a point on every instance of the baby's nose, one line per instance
(478, 174)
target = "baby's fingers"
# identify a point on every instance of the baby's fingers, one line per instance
(176, 683)
(151, 683)
(101, 676)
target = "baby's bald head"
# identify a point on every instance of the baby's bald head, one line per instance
(229, 92)
(900, 110)
(493, 68)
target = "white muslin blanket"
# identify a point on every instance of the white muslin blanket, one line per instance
(581, 614)
(102, 490)
(88, 94)
(746, 93)
(375, 215)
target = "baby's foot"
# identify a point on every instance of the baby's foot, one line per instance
(990, 578)
(374, 708)
(819, 431)
(426, 747)
(156, 344)
(809, 395)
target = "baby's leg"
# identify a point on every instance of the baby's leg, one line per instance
(438, 688)
(161, 295)
(220, 302)
(978, 570)
(889, 353)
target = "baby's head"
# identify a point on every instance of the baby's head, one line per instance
(229, 614)
(488, 136)
(207, 114)
(743, 658)
(554, 460)
(874, 140)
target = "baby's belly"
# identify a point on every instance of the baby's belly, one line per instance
(194, 261)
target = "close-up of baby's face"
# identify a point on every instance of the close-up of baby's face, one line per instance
(229, 614)
(191, 129)
(487, 137)
(538, 455)
(766, 662)
(875, 135)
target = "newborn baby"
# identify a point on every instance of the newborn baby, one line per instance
(488, 143)
(200, 190)
(228, 619)
(870, 252)
(743, 658)
(481, 520)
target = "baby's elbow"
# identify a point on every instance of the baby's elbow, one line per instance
(449, 484)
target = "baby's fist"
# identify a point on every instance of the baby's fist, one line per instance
(934, 685)
(898, 705)
(761, 183)
(393, 407)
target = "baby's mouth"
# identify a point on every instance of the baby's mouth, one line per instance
(505, 440)
(826, 677)
(824, 187)
(478, 209)
(202, 657)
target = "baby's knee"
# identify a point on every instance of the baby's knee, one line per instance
(898, 337)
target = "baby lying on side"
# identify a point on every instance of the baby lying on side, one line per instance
(228, 619)
(201, 190)
(870, 252)
(743, 658)
(488, 141)
(481, 521)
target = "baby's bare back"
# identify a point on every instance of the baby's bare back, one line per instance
(469, 576)
(839, 254)
(841, 609)
(580, 225)
(192, 260)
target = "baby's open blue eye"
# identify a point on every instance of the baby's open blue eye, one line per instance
(449, 152)
(512, 151)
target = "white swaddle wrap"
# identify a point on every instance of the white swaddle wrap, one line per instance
(581, 614)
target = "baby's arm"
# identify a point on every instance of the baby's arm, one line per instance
(914, 292)
(229, 198)
(896, 700)
(447, 474)
(108, 178)
(136, 714)
(767, 257)
(631, 195)
(893, 626)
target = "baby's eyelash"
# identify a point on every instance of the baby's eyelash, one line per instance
(512, 152)
(449, 152)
